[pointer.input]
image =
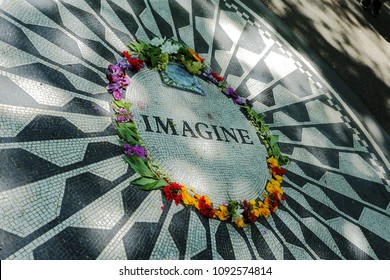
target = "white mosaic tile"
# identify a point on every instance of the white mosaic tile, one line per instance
(149, 22)
(196, 238)
(376, 222)
(279, 65)
(353, 234)
(241, 251)
(322, 233)
(12, 126)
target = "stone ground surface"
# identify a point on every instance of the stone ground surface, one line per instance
(64, 187)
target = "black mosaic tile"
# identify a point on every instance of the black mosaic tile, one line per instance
(201, 45)
(288, 235)
(317, 245)
(48, 8)
(293, 132)
(234, 67)
(261, 245)
(101, 50)
(8, 243)
(95, 5)
(349, 250)
(338, 133)
(327, 156)
(323, 210)
(206, 254)
(251, 39)
(297, 111)
(287, 255)
(73, 244)
(100, 151)
(316, 173)
(241, 232)
(380, 246)
(181, 17)
(371, 192)
(286, 148)
(224, 243)
(44, 74)
(297, 83)
(140, 240)
(132, 198)
(49, 128)
(19, 167)
(85, 107)
(88, 19)
(57, 37)
(126, 18)
(82, 190)
(178, 229)
(265, 97)
(86, 73)
(138, 6)
(14, 36)
(203, 9)
(164, 27)
(221, 42)
(345, 204)
(301, 211)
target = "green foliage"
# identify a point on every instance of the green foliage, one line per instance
(140, 166)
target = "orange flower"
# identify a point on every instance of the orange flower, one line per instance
(240, 223)
(195, 55)
(222, 213)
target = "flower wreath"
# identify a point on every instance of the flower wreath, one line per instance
(156, 55)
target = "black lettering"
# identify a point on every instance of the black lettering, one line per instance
(209, 137)
(166, 126)
(187, 128)
(243, 137)
(216, 133)
(146, 121)
(231, 134)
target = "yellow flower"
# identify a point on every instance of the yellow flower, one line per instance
(273, 162)
(252, 203)
(187, 198)
(264, 211)
(273, 187)
(278, 178)
(240, 223)
(222, 213)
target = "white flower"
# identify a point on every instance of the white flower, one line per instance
(157, 41)
(169, 48)
(237, 214)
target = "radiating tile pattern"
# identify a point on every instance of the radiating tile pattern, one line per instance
(64, 189)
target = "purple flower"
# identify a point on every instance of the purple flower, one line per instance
(238, 100)
(123, 63)
(113, 87)
(117, 94)
(249, 103)
(136, 150)
(209, 76)
(116, 70)
(122, 110)
(125, 81)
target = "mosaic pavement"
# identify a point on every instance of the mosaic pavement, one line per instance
(64, 188)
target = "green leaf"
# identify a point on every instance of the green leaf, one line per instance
(138, 165)
(155, 185)
(274, 140)
(142, 181)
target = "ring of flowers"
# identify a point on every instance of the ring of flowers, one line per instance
(157, 54)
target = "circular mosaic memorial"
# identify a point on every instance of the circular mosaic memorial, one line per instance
(199, 137)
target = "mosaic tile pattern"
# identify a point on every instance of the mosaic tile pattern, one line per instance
(64, 189)
(209, 145)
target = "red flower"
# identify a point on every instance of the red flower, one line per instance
(278, 170)
(217, 77)
(136, 63)
(172, 192)
(205, 208)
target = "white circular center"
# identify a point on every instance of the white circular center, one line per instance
(203, 142)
